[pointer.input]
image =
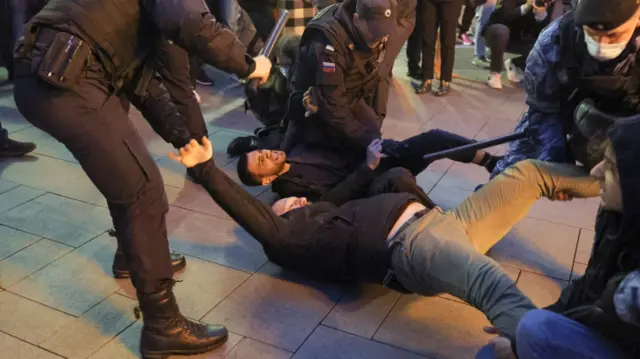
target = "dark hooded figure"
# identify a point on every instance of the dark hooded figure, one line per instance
(598, 315)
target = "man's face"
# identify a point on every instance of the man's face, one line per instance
(606, 45)
(266, 164)
(607, 173)
(285, 205)
(363, 28)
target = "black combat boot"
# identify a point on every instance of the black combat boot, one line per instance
(166, 332)
(120, 266)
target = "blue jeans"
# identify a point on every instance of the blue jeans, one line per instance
(485, 12)
(543, 334)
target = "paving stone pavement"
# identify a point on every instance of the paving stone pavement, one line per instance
(58, 300)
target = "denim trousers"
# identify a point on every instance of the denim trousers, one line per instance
(444, 251)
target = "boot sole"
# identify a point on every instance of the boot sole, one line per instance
(168, 353)
(126, 274)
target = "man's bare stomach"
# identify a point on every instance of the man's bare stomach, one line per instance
(408, 213)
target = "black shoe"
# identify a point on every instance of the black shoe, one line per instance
(167, 332)
(204, 79)
(423, 87)
(11, 148)
(241, 145)
(120, 266)
(444, 89)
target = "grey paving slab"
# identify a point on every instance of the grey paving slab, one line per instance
(7, 185)
(28, 320)
(76, 282)
(18, 196)
(276, 307)
(86, 334)
(21, 264)
(13, 240)
(542, 290)
(434, 327)
(13, 348)
(81, 189)
(577, 213)
(214, 239)
(538, 246)
(47, 145)
(585, 245)
(203, 285)
(37, 171)
(127, 346)
(250, 349)
(328, 343)
(12, 121)
(362, 309)
(61, 219)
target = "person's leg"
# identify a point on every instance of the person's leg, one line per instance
(485, 12)
(497, 37)
(467, 17)
(433, 256)
(409, 153)
(448, 12)
(95, 128)
(414, 45)
(176, 78)
(543, 334)
(398, 180)
(428, 15)
(489, 213)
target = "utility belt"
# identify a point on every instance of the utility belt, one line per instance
(390, 280)
(66, 59)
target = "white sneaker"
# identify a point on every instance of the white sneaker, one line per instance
(514, 74)
(495, 81)
(197, 97)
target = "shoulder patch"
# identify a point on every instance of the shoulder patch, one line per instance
(328, 67)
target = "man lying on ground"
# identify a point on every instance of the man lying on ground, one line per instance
(310, 172)
(393, 239)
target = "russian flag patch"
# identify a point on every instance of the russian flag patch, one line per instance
(328, 67)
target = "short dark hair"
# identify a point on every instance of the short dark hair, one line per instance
(245, 176)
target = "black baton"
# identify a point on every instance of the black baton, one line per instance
(475, 146)
(269, 45)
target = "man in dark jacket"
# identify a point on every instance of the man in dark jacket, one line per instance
(77, 68)
(589, 53)
(340, 54)
(393, 239)
(308, 171)
(598, 315)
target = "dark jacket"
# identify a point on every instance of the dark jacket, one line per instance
(616, 253)
(522, 28)
(344, 75)
(333, 239)
(123, 33)
(314, 172)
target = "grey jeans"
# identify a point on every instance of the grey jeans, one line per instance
(443, 252)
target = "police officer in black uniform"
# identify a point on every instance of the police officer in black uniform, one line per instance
(340, 53)
(78, 66)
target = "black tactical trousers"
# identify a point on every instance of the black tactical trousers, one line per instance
(176, 73)
(95, 127)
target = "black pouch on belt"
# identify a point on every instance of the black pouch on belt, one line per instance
(64, 61)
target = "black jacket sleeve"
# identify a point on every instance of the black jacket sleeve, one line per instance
(249, 212)
(161, 113)
(190, 25)
(346, 190)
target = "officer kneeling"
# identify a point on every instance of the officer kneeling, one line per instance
(78, 66)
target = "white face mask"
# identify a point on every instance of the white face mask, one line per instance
(603, 52)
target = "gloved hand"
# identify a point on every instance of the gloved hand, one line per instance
(393, 148)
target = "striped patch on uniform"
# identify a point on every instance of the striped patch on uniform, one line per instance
(328, 67)
(330, 48)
